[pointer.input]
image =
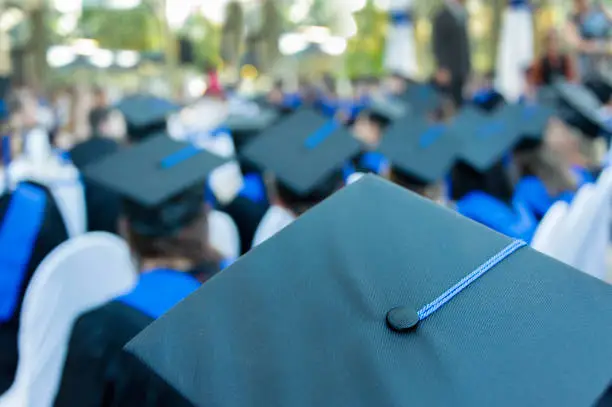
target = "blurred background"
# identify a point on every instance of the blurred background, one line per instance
(126, 44)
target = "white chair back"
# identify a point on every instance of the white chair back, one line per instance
(575, 233)
(223, 234)
(547, 236)
(77, 276)
(42, 165)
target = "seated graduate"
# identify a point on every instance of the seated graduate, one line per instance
(485, 96)
(145, 115)
(306, 154)
(32, 226)
(543, 177)
(165, 225)
(480, 183)
(369, 129)
(376, 294)
(421, 154)
(103, 206)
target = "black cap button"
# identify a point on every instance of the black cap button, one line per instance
(402, 319)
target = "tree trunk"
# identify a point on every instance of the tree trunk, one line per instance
(498, 14)
(36, 65)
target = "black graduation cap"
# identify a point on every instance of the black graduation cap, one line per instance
(530, 122)
(423, 98)
(579, 107)
(600, 84)
(304, 151)
(348, 306)
(485, 138)
(244, 127)
(387, 110)
(161, 181)
(419, 151)
(145, 115)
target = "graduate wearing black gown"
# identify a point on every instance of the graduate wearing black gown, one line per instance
(103, 206)
(37, 239)
(163, 225)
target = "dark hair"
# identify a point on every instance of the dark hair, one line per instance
(495, 182)
(189, 243)
(97, 117)
(298, 204)
(410, 183)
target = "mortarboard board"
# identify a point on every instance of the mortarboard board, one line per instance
(529, 121)
(485, 139)
(145, 115)
(422, 98)
(385, 111)
(362, 320)
(244, 127)
(161, 181)
(579, 107)
(420, 151)
(303, 151)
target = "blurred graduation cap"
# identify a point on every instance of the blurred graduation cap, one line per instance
(385, 110)
(579, 107)
(160, 180)
(145, 115)
(601, 85)
(244, 126)
(347, 307)
(420, 152)
(422, 98)
(304, 152)
(529, 121)
(485, 141)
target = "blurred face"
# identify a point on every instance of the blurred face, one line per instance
(366, 131)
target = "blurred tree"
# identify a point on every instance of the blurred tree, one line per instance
(365, 50)
(232, 34)
(271, 30)
(206, 37)
(136, 29)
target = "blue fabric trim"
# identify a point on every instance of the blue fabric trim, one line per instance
(374, 162)
(482, 96)
(519, 4)
(254, 188)
(469, 279)
(583, 174)
(159, 290)
(348, 169)
(179, 156)
(400, 17)
(292, 101)
(319, 136)
(429, 137)
(20, 228)
(225, 263)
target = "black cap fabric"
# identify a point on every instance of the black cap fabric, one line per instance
(245, 127)
(303, 151)
(145, 115)
(422, 98)
(161, 181)
(387, 110)
(484, 138)
(420, 150)
(530, 121)
(325, 314)
(579, 107)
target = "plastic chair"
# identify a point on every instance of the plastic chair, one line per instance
(79, 275)
(223, 234)
(548, 232)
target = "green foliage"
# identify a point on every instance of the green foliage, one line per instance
(206, 37)
(365, 51)
(136, 29)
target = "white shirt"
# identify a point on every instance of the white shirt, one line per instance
(275, 220)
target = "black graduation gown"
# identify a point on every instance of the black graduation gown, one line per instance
(103, 206)
(97, 373)
(51, 234)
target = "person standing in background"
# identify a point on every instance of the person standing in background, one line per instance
(451, 49)
(553, 63)
(588, 31)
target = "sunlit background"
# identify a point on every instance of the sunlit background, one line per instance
(131, 41)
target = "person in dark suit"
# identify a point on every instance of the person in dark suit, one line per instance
(451, 48)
